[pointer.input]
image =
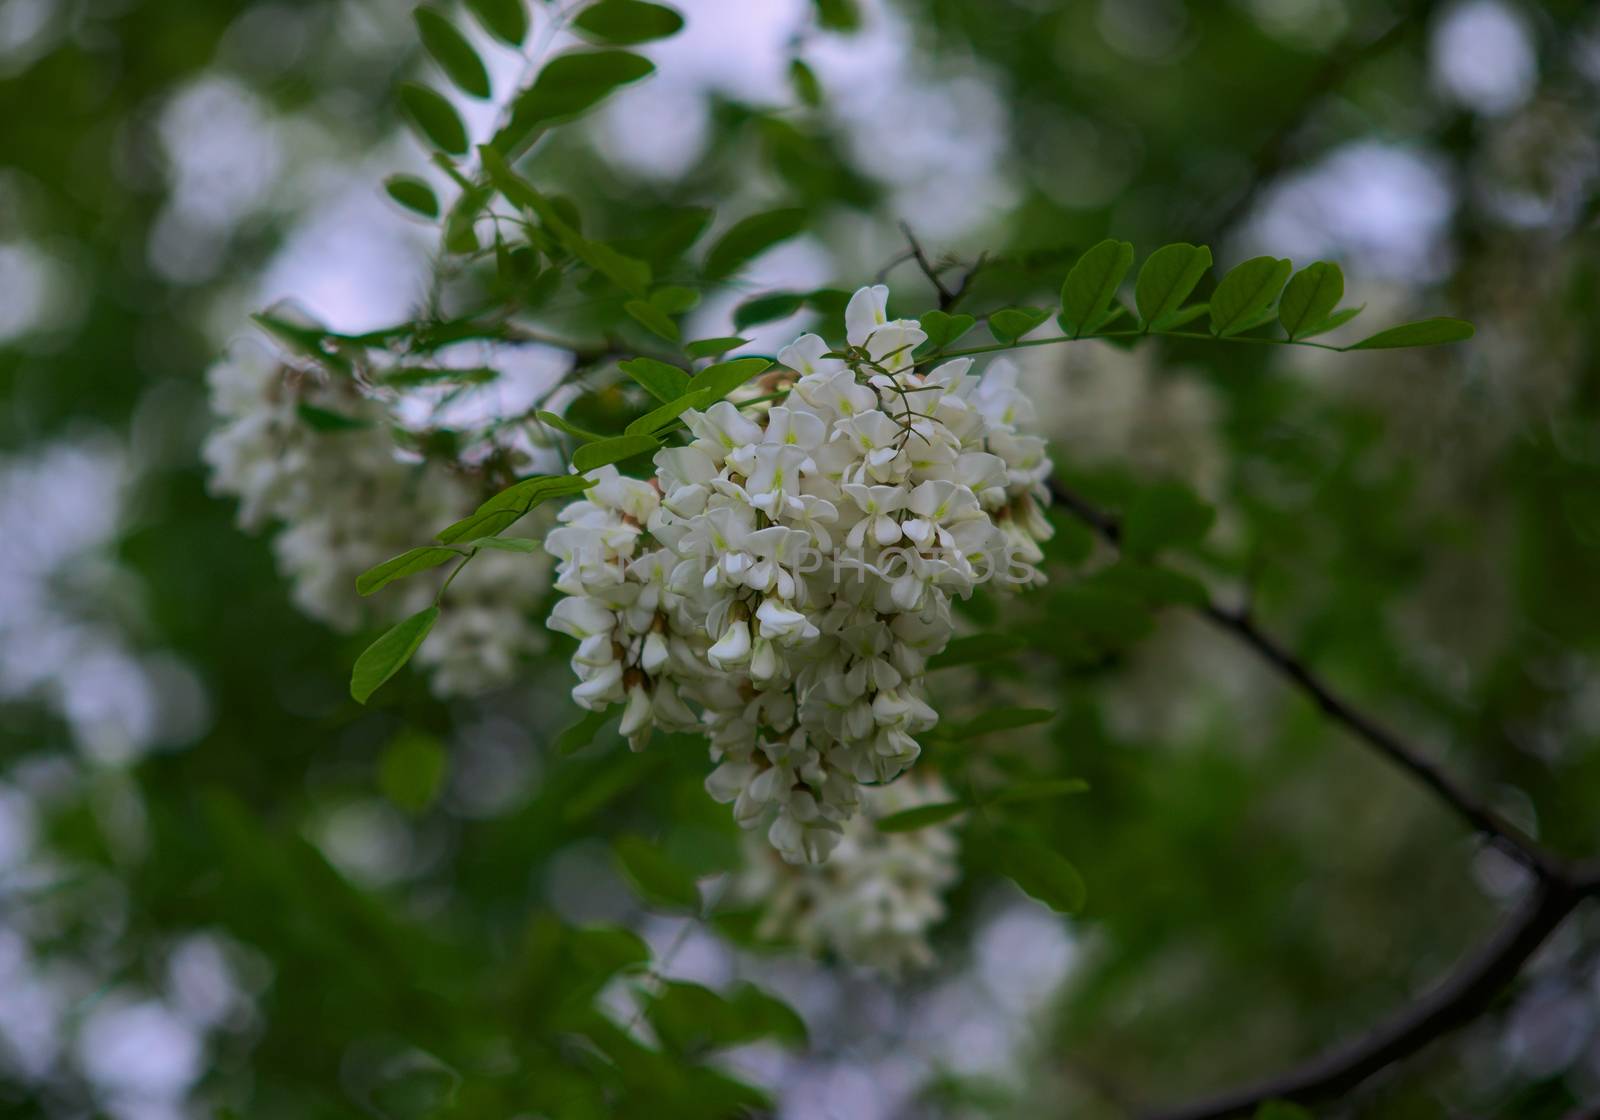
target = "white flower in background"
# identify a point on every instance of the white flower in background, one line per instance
(877, 896)
(789, 572)
(346, 500)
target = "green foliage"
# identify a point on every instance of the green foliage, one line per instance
(506, 20)
(658, 419)
(569, 85)
(766, 308)
(411, 771)
(713, 347)
(749, 237)
(1310, 298)
(452, 52)
(626, 22)
(406, 564)
(434, 117)
(388, 655)
(660, 881)
(1041, 872)
(1011, 323)
(413, 193)
(1167, 278)
(1091, 286)
(717, 381)
(652, 318)
(1244, 297)
(662, 381)
(944, 330)
(921, 816)
(996, 719)
(614, 450)
(1427, 332)
(509, 506)
(1167, 515)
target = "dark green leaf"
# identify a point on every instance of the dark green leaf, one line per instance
(766, 309)
(511, 504)
(327, 420)
(1038, 791)
(838, 15)
(1165, 515)
(652, 318)
(385, 657)
(1041, 873)
(943, 329)
(1153, 584)
(561, 423)
(578, 735)
(1282, 1110)
(1425, 332)
(749, 237)
(406, 564)
(662, 381)
(658, 418)
(434, 117)
(976, 649)
(908, 820)
(1332, 322)
(1310, 297)
(804, 82)
(674, 299)
(411, 376)
(414, 194)
(568, 85)
(607, 950)
(628, 21)
(1092, 285)
(1012, 323)
(766, 1016)
(713, 347)
(998, 719)
(1111, 616)
(654, 876)
(1245, 293)
(1166, 279)
(506, 20)
(724, 377)
(411, 771)
(452, 52)
(592, 455)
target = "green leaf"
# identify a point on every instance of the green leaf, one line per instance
(1166, 515)
(838, 15)
(1040, 872)
(724, 377)
(674, 299)
(998, 719)
(1332, 322)
(569, 84)
(599, 454)
(654, 876)
(656, 419)
(1155, 585)
(510, 505)
(561, 423)
(804, 82)
(327, 420)
(1011, 323)
(307, 339)
(607, 950)
(411, 770)
(574, 737)
(452, 52)
(1110, 616)
(524, 545)
(652, 318)
(749, 237)
(975, 649)
(434, 117)
(766, 1016)
(1167, 278)
(1092, 285)
(766, 309)
(909, 820)
(1245, 292)
(385, 657)
(662, 381)
(407, 377)
(1182, 318)
(506, 20)
(1038, 791)
(628, 21)
(406, 564)
(1310, 297)
(713, 347)
(1425, 332)
(943, 329)
(414, 194)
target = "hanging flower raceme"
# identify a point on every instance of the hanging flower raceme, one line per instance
(783, 579)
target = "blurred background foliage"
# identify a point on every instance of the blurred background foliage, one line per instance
(226, 889)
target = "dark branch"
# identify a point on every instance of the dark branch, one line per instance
(948, 297)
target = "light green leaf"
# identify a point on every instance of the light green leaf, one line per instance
(626, 22)
(652, 318)
(1041, 873)
(1011, 323)
(406, 564)
(434, 117)
(713, 347)
(1166, 515)
(724, 377)
(562, 424)
(654, 876)
(599, 454)
(1166, 279)
(503, 510)
(1092, 285)
(908, 820)
(674, 299)
(411, 771)
(749, 237)
(452, 52)
(569, 84)
(1310, 297)
(1245, 292)
(656, 419)
(414, 194)
(506, 20)
(1425, 332)
(523, 545)
(662, 381)
(943, 329)
(386, 656)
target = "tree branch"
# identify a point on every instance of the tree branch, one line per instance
(1559, 886)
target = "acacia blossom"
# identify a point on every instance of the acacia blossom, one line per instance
(782, 580)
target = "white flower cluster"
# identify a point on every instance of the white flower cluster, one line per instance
(347, 500)
(875, 899)
(791, 569)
